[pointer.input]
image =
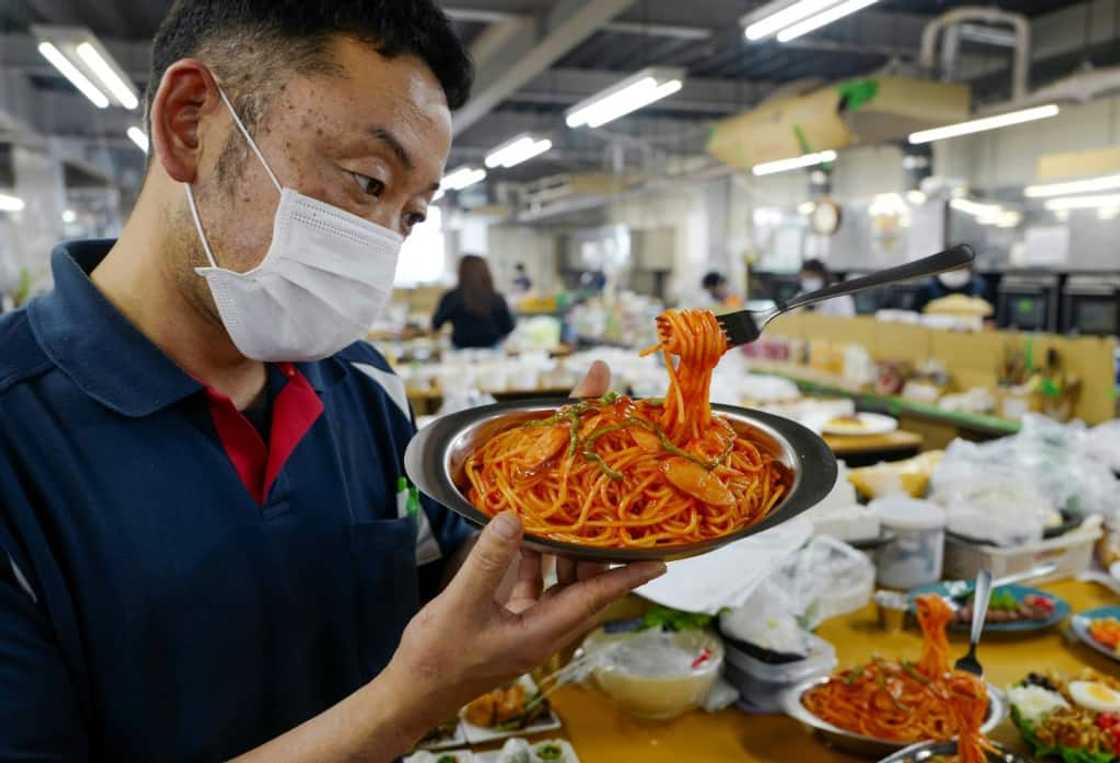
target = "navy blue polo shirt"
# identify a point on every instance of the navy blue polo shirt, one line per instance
(171, 586)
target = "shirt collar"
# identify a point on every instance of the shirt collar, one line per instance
(103, 353)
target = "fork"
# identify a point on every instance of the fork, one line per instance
(969, 663)
(745, 326)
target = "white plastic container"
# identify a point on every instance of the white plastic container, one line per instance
(1072, 554)
(916, 553)
(761, 684)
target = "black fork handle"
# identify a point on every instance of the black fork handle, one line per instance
(951, 259)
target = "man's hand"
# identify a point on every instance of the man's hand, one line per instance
(465, 642)
(596, 383)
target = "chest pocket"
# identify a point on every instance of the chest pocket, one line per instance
(384, 559)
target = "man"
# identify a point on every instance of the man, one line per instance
(718, 290)
(171, 586)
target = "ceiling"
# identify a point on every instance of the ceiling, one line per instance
(537, 58)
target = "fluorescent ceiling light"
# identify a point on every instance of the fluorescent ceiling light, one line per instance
(71, 72)
(137, 136)
(105, 72)
(791, 14)
(975, 208)
(1006, 219)
(517, 150)
(822, 19)
(1084, 202)
(1092, 185)
(463, 177)
(987, 123)
(10, 203)
(625, 97)
(796, 163)
(69, 216)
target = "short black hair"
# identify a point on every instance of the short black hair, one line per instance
(712, 280)
(253, 41)
(816, 266)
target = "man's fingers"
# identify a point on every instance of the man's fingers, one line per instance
(565, 571)
(588, 570)
(596, 383)
(482, 572)
(529, 579)
(570, 608)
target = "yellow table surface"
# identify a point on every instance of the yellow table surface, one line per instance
(602, 734)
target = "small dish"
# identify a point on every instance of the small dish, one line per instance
(1060, 613)
(444, 756)
(859, 424)
(482, 734)
(865, 745)
(495, 756)
(1080, 626)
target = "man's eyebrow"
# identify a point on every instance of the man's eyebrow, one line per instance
(393, 143)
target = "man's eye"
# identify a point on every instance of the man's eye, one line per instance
(369, 185)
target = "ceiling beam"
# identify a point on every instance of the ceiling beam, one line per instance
(699, 95)
(677, 31)
(567, 25)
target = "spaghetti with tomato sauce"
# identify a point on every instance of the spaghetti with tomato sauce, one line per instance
(624, 473)
(906, 702)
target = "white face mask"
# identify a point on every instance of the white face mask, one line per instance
(811, 284)
(325, 278)
(955, 279)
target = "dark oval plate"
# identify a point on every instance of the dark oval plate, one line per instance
(926, 752)
(434, 462)
(1061, 609)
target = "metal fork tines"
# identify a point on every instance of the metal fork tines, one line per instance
(980, 600)
(746, 326)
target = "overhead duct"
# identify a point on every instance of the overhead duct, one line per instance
(1079, 87)
(1020, 69)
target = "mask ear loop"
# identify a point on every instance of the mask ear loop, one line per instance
(198, 224)
(249, 139)
(190, 192)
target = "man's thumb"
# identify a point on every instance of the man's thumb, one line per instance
(484, 568)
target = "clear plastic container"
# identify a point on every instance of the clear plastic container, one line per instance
(916, 552)
(761, 684)
(656, 675)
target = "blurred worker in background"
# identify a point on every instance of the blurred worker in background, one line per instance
(815, 275)
(522, 284)
(719, 292)
(966, 282)
(479, 315)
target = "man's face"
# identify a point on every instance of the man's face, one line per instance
(372, 141)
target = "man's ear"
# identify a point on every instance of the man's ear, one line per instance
(186, 93)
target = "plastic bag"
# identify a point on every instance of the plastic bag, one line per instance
(824, 579)
(767, 620)
(1102, 443)
(1022, 483)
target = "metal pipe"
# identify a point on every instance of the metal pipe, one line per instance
(1020, 73)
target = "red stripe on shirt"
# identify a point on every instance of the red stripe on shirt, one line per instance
(294, 412)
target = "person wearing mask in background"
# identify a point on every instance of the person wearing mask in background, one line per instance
(718, 290)
(522, 284)
(965, 281)
(479, 315)
(815, 275)
(201, 551)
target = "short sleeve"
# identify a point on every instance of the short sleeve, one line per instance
(40, 717)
